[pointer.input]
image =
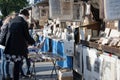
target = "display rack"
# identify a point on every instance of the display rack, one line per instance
(94, 44)
(105, 48)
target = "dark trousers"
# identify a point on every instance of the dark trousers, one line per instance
(16, 70)
(28, 65)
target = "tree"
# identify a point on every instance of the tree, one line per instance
(8, 6)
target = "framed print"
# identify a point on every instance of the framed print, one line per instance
(54, 8)
(77, 12)
(66, 9)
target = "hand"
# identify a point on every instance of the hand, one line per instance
(39, 45)
(30, 46)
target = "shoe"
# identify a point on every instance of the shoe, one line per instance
(24, 76)
(28, 73)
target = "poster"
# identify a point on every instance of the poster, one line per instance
(82, 33)
(35, 12)
(89, 57)
(118, 69)
(87, 64)
(109, 69)
(77, 65)
(44, 12)
(66, 9)
(112, 9)
(97, 68)
(54, 8)
(77, 12)
(69, 47)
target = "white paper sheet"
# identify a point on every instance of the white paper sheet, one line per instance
(89, 34)
(107, 31)
(114, 33)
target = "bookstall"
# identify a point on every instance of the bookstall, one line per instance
(85, 33)
(97, 54)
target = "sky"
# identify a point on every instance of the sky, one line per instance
(31, 1)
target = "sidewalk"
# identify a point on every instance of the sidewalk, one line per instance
(43, 72)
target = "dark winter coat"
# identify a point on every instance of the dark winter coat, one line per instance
(18, 37)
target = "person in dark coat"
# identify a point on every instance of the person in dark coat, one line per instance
(5, 63)
(17, 41)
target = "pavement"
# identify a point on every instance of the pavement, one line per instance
(43, 72)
